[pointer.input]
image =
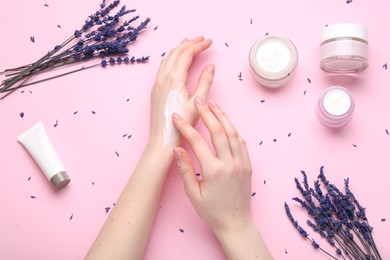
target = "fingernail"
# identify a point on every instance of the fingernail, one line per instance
(211, 69)
(213, 104)
(176, 116)
(198, 101)
(178, 154)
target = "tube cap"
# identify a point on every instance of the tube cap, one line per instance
(352, 30)
(60, 179)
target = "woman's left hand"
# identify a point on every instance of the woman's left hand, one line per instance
(170, 92)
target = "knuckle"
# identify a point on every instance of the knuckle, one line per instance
(172, 77)
(194, 137)
(232, 134)
(218, 130)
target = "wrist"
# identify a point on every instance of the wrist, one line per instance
(243, 242)
(234, 230)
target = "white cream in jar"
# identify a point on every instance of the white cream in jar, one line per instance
(335, 107)
(273, 60)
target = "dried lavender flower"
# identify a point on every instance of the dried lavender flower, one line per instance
(337, 217)
(102, 35)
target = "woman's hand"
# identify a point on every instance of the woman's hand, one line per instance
(222, 195)
(170, 92)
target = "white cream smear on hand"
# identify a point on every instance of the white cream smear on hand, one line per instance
(273, 56)
(173, 104)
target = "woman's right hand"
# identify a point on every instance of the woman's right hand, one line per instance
(222, 195)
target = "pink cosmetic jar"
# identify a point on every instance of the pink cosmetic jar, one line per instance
(335, 107)
(273, 60)
(344, 48)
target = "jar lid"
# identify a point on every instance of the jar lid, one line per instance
(273, 60)
(350, 30)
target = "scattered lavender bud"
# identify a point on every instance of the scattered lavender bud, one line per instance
(285, 251)
(289, 134)
(71, 217)
(383, 219)
(309, 80)
(387, 131)
(349, 1)
(262, 101)
(266, 33)
(265, 182)
(198, 174)
(32, 38)
(275, 140)
(261, 142)
(181, 230)
(128, 100)
(107, 209)
(75, 112)
(250, 21)
(227, 45)
(58, 26)
(33, 197)
(29, 178)
(163, 54)
(56, 124)
(253, 194)
(385, 66)
(354, 145)
(21, 114)
(124, 135)
(93, 183)
(117, 154)
(240, 76)
(46, 5)
(129, 136)
(93, 112)
(304, 93)
(155, 28)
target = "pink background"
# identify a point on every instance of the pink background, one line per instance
(63, 224)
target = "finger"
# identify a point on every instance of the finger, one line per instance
(217, 132)
(230, 131)
(205, 82)
(196, 141)
(171, 58)
(187, 171)
(244, 152)
(187, 54)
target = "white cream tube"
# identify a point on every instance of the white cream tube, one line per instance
(37, 143)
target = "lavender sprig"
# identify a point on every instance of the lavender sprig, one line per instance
(102, 35)
(337, 217)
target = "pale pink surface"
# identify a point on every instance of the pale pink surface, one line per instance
(63, 224)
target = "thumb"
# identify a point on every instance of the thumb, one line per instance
(187, 171)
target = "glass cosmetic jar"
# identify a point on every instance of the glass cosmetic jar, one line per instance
(273, 60)
(344, 48)
(335, 107)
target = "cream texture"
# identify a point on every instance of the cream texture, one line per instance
(273, 55)
(173, 104)
(337, 102)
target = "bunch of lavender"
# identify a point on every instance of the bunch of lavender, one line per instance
(337, 217)
(103, 36)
